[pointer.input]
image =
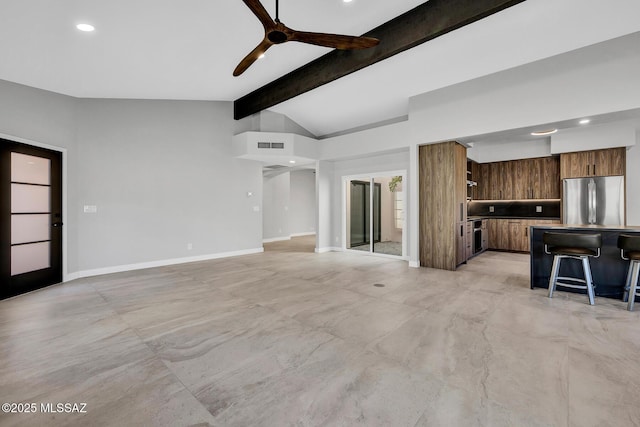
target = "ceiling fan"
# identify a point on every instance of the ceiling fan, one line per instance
(275, 32)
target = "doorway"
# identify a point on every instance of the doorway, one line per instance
(30, 218)
(374, 214)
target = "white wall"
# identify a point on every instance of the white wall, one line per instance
(596, 80)
(382, 139)
(633, 182)
(275, 207)
(485, 152)
(353, 167)
(160, 172)
(325, 197)
(620, 134)
(302, 205)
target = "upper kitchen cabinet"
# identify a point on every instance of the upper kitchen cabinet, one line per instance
(537, 178)
(608, 162)
(443, 205)
(550, 186)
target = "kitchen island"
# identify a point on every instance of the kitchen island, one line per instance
(609, 270)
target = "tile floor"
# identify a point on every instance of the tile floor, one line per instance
(289, 337)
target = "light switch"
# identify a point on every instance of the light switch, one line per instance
(256, 208)
(492, 209)
(90, 209)
(538, 209)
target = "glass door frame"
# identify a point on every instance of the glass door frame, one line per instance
(64, 188)
(370, 177)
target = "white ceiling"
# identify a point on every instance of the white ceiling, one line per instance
(170, 49)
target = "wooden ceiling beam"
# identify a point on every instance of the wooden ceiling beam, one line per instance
(419, 25)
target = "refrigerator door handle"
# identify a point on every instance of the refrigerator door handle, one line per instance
(592, 201)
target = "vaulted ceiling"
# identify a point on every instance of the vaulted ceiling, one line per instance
(167, 49)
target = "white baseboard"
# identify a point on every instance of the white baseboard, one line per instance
(414, 264)
(310, 233)
(161, 263)
(280, 239)
(276, 239)
(328, 249)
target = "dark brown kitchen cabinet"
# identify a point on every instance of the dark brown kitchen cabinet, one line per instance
(483, 178)
(608, 162)
(537, 178)
(550, 183)
(513, 234)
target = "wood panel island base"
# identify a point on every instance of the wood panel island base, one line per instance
(609, 270)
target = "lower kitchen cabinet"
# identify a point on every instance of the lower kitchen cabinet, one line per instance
(513, 234)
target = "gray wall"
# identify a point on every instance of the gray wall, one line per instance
(289, 204)
(275, 214)
(160, 172)
(302, 206)
(163, 176)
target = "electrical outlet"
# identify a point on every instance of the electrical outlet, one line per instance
(189, 246)
(492, 209)
(538, 209)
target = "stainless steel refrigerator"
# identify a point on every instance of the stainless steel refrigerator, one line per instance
(598, 200)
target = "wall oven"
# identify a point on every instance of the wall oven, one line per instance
(477, 236)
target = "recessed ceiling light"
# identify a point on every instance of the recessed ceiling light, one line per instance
(261, 56)
(544, 132)
(85, 27)
(347, 1)
(293, 162)
(585, 121)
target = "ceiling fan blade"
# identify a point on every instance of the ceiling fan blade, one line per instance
(252, 57)
(261, 13)
(333, 40)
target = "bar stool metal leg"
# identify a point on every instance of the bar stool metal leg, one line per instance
(589, 279)
(627, 283)
(634, 284)
(555, 269)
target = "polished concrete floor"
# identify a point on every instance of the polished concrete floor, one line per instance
(289, 337)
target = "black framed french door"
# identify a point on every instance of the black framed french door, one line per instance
(30, 218)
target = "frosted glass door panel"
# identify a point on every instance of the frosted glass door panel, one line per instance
(30, 169)
(30, 228)
(31, 257)
(30, 198)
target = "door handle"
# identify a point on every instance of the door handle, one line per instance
(57, 224)
(594, 169)
(588, 170)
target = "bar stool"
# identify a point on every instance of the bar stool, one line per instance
(572, 246)
(630, 245)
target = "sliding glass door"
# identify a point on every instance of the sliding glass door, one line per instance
(375, 214)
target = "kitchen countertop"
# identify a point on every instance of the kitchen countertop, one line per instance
(590, 227)
(542, 218)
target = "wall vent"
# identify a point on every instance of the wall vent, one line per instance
(276, 145)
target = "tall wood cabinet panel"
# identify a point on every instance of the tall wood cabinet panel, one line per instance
(443, 207)
(608, 162)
